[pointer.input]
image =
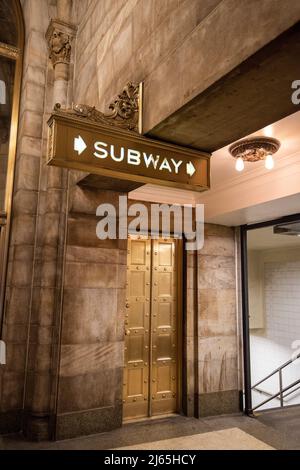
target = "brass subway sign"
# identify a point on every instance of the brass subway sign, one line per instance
(117, 153)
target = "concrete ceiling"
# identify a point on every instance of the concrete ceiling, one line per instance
(265, 239)
(270, 210)
(253, 95)
(224, 176)
(253, 99)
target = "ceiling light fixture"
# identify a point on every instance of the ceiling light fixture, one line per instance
(253, 150)
(291, 229)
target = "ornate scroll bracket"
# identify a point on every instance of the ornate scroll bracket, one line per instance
(125, 110)
(60, 36)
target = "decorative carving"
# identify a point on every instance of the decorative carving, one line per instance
(59, 47)
(126, 105)
(124, 110)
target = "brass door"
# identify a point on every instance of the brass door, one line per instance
(151, 372)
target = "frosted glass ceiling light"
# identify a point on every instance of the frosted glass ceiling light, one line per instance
(253, 150)
(269, 162)
(239, 164)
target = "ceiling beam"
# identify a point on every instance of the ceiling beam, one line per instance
(253, 95)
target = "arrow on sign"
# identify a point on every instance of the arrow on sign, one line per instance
(79, 145)
(190, 169)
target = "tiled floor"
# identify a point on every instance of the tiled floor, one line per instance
(287, 423)
(227, 439)
(191, 432)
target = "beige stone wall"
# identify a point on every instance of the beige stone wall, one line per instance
(23, 250)
(92, 337)
(91, 354)
(177, 47)
(32, 305)
(90, 376)
(89, 346)
(211, 354)
(217, 322)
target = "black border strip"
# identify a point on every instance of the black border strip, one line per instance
(245, 301)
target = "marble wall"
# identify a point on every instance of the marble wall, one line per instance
(217, 323)
(91, 355)
(212, 381)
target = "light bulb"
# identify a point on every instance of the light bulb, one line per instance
(269, 162)
(239, 164)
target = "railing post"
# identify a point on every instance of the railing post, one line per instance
(280, 388)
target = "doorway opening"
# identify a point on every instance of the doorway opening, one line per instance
(271, 294)
(153, 326)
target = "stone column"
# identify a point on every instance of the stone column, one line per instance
(50, 245)
(64, 10)
(17, 321)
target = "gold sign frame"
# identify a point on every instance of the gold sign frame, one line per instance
(65, 127)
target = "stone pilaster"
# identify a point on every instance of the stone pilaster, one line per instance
(218, 384)
(47, 289)
(17, 317)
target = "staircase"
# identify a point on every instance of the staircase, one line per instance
(283, 392)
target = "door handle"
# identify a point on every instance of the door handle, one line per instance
(127, 332)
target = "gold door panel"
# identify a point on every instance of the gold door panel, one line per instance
(137, 321)
(164, 327)
(151, 329)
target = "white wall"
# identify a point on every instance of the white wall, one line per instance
(271, 346)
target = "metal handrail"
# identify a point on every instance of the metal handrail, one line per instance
(276, 395)
(292, 391)
(265, 392)
(276, 370)
(279, 395)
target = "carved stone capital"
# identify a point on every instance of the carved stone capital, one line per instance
(59, 48)
(124, 112)
(60, 36)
